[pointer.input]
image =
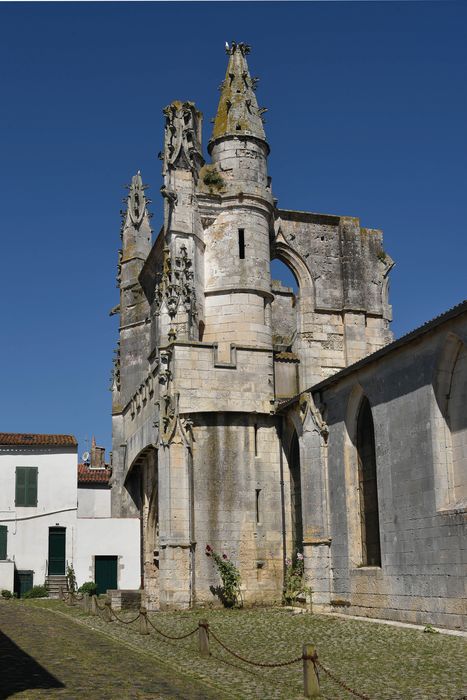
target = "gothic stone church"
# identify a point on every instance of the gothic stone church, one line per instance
(265, 422)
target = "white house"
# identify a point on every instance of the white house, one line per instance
(52, 514)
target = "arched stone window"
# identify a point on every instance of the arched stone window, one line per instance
(368, 487)
(450, 425)
(457, 423)
(285, 316)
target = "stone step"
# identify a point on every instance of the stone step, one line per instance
(54, 584)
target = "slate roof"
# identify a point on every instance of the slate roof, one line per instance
(93, 475)
(37, 439)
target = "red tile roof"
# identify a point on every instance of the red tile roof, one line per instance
(90, 475)
(37, 439)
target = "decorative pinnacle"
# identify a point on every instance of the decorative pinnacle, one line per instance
(137, 201)
(238, 111)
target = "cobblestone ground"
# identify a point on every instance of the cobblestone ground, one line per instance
(45, 655)
(382, 662)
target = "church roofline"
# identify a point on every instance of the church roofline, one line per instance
(455, 311)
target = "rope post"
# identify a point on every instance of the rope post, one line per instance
(310, 678)
(143, 621)
(203, 638)
(69, 600)
(108, 611)
(94, 605)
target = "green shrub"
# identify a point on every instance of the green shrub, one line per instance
(294, 583)
(88, 587)
(6, 593)
(71, 578)
(229, 592)
(213, 179)
(37, 592)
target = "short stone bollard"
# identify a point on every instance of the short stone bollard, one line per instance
(143, 621)
(108, 612)
(69, 598)
(86, 603)
(310, 679)
(94, 605)
(203, 637)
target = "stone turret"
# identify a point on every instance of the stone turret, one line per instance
(236, 185)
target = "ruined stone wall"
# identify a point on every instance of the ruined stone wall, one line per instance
(238, 503)
(342, 311)
(422, 522)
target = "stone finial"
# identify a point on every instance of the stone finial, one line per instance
(182, 138)
(238, 111)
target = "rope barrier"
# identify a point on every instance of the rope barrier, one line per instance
(168, 636)
(336, 680)
(254, 663)
(125, 622)
(280, 664)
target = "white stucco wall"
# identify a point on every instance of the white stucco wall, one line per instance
(28, 527)
(7, 569)
(93, 502)
(92, 533)
(109, 536)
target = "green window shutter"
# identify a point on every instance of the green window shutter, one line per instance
(3, 539)
(31, 487)
(26, 486)
(20, 497)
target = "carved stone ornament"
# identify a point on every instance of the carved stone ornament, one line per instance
(137, 201)
(172, 427)
(175, 285)
(119, 267)
(309, 407)
(182, 138)
(115, 374)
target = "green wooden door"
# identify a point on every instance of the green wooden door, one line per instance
(23, 582)
(3, 541)
(56, 551)
(105, 573)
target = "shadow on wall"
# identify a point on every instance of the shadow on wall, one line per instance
(20, 671)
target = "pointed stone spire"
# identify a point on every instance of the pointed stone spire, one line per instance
(238, 111)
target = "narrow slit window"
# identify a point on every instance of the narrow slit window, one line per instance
(258, 514)
(241, 243)
(256, 439)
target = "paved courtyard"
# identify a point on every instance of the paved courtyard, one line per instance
(75, 655)
(44, 655)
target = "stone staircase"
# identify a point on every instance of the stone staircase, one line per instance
(54, 584)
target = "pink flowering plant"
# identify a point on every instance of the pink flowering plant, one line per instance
(294, 581)
(229, 592)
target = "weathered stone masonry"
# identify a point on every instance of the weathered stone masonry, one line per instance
(210, 346)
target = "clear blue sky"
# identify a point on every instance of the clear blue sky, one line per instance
(367, 113)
